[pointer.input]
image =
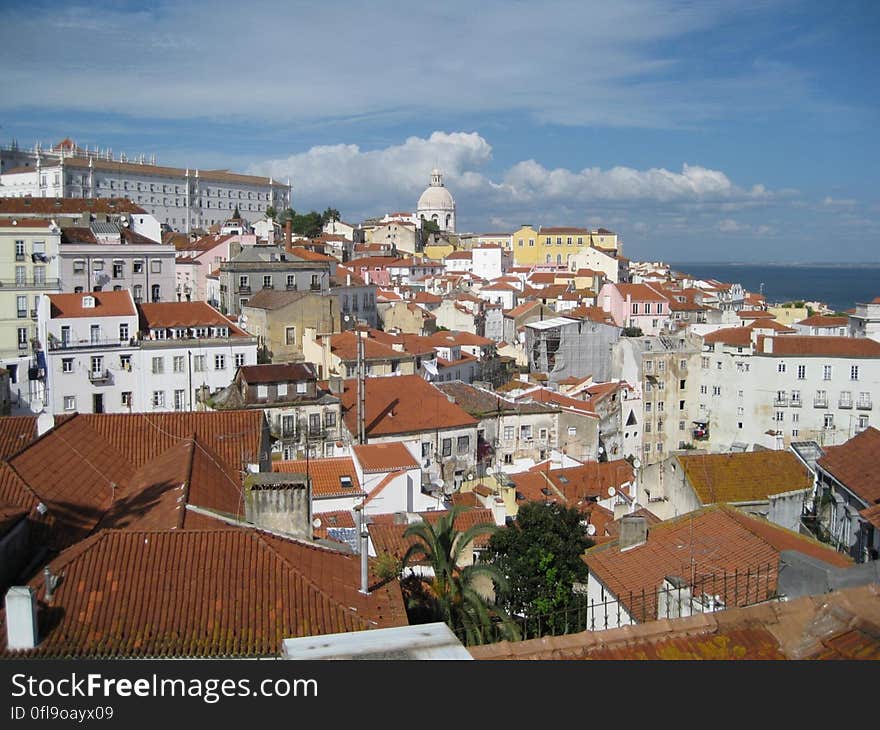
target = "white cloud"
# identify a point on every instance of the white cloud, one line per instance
(729, 226)
(374, 181)
(839, 202)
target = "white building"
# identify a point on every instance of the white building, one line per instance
(436, 204)
(487, 262)
(775, 390)
(104, 354)
(181, 198)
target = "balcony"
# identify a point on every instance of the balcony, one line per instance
(795, 403)
(820, 402)
(315, 287)
(244, 290)
(845, 402)
(68, 344)
(99, 376)
(33, 314)
(291, 287)
(780, 401)
(864, 404)
(19, 257)
(47, 284)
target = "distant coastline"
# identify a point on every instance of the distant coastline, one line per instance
(839, 286)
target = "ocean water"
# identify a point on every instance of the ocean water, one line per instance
(840, 287)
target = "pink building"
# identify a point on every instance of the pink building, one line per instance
(635, 305)
(197, 260)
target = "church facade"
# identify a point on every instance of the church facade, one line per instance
(437, 204)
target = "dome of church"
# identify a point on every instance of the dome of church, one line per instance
(436, 198)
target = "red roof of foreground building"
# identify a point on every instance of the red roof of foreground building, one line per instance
(854, 464)
(16, 432)
(402, 404)
(815, 345)
(201, 593)
(167, 315)
(329, 477)
(385, 457)
(106, 304)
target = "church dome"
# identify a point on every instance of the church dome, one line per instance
(436, 197)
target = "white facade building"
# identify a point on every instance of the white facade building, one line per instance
(181, 198)
(105, 355)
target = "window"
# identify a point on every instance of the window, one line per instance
(117, 269)
(79, 267)
(158, 365)
(291, 281)
(98, 265)
(780, 416)
(158, 399)
(795, 417)
(19, 250)
(648, 427)
(704, 389)
(21, 306)
(802, 372)
(572, 431)
(97, 365)
(661, 366)
(704, 363)
(508, 433)
(199, 363)
(795, 397)
(155, 267)
(682, 384)
(179, 364)
(508, 458)
(682, 364)
(716, 390)
(635, 308)
(661, 385)
(154, 292)
(854, 372)
(649, 366)
(863, 422)
(219, 362)
(137, 292)
(446, 447)
(525, 432)
(660, 405)
(648, 407)
(123, 332)
(67, 365)
(126, 399)
(267, 281)
(262, 391)
(719, 364)
(531, 242)
(179, 400)
(681, 425)
(39, 274)
(828, 421)
(780, 367)
(70, 403)
(463, 444)
(290, 335)
(826, 372)
(681, 405)
(329, 419)
(95, 334)
(239, 359)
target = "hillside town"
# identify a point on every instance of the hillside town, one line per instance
(228, 426)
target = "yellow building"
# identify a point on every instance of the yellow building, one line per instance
(548, 245)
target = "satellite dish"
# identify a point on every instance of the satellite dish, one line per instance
(316, 523)
(470, 475)
(490, 471)
(591, 529)
(636, 463)
(611, 491)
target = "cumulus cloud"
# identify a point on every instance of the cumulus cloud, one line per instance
(375, 181)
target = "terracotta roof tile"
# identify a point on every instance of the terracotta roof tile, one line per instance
(107, 304)
(278, 373)
(68, 206)
(401, 405)
(202, 593)
(819, 345)
(733, 336)
(854, 464)
(392, 456)
(700, 547)
(16, 432)
(327, 475)
(750, 476)
(162, 315)
(387, 534)
(329, 520)
(821, 320)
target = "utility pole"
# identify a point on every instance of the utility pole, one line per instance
(361, 387)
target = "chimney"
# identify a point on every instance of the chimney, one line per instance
(21, 618)
(633, 532)
(288, 232)
(363, 543)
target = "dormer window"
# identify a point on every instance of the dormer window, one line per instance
(159, 334)
(346, 482)
(88, 302)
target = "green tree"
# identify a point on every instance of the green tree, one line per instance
(271, 212)
(330, 214)
(451, 594)
(429, 227)
(307, 224)
(541, 555)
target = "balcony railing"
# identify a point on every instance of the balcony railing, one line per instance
(820, 402)
(244, 290)
(30, 283)
(796, 403)
(99, 376)
(864, 404)
(56, 344)
(845, 403)
(291, 287)
(780, 401)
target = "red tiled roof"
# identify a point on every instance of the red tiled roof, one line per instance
(755, 314)
(612, 528)
(384, 457)
(770, 324)
(703, 545)
(202, 593)
(387, 534)
(66, 206)
(522, 308)
(107, 304)
(750, 476)
(854, 464)
(574, 486)
(235, 435)
(16, 432)
(344, 346)
(640, 292)
(328, 520)
(325, 475)
(821, 320)
(401, 405)
(24, 222)
(163, 315)
(278, 373)
(815, 345)
(734, 336)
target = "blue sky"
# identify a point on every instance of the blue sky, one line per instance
(700, 131)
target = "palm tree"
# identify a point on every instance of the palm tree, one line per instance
(451, 592)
